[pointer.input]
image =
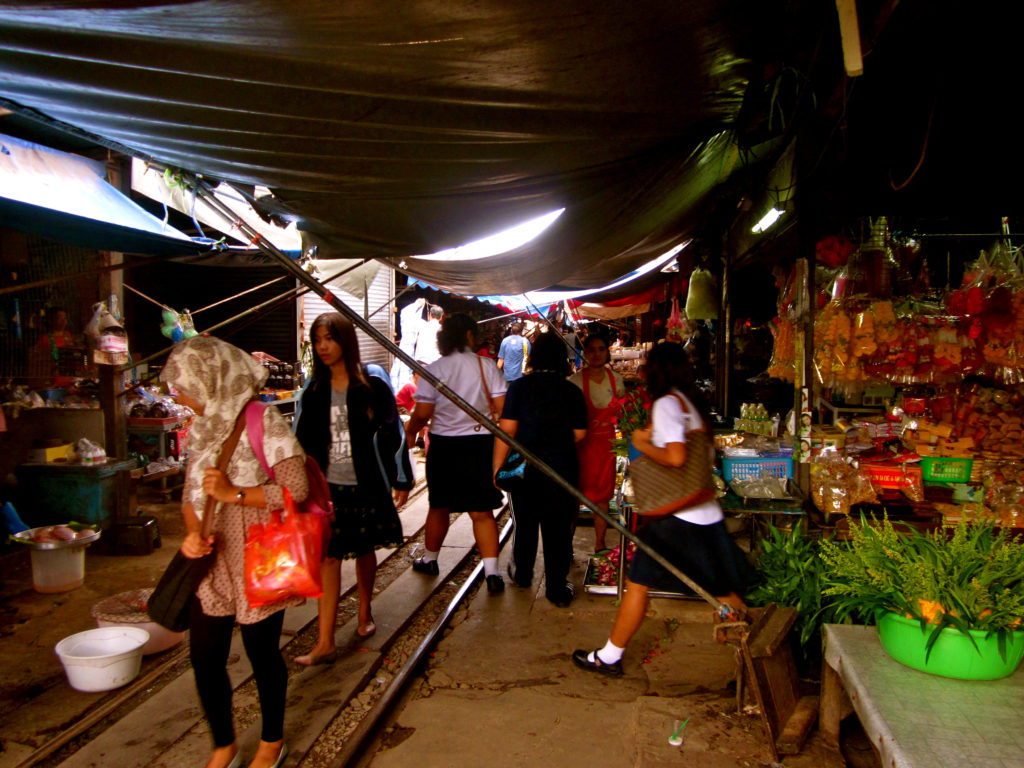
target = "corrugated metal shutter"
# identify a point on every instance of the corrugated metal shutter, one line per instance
(375, 306)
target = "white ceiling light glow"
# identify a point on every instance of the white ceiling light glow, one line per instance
(767, 220)
(502, 242)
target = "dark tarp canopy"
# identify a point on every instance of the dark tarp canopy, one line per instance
(389, 129)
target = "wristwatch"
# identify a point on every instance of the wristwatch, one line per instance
(240, 496)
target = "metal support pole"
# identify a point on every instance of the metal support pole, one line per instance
(203, 188)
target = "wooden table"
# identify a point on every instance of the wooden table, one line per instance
(917, 720)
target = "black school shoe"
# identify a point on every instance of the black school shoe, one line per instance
(563, 596)
(429, 567)
(581, 660)
(495, 584)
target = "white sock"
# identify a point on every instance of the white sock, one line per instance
(610, 654)
(429, 557)
(490, 566)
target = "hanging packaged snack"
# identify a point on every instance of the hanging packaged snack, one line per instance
(107, 336)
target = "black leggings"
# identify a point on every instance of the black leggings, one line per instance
(209, 645)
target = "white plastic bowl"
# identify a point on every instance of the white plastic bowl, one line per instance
(102, 659)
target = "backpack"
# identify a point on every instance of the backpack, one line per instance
(318, 501)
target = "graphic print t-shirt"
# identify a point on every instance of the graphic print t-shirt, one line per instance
(340, 469)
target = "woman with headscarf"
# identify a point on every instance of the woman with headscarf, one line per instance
(348, 422)
(459, 477)
(547, 415)
(217, 380)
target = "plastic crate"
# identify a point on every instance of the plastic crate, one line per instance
(743, 467)
(58, 493)
(946, 469)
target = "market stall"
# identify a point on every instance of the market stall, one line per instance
(914, 405)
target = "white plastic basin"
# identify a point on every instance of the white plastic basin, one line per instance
(102, 659)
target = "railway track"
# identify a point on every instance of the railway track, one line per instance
(333, 710)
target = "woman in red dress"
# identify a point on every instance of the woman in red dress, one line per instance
(601, 387)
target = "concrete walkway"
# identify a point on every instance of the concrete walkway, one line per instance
(502, 692)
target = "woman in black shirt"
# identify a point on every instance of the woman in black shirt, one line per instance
(547, 414)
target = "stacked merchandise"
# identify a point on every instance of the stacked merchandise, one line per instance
(953, 361)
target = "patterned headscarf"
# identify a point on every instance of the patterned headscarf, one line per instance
(222, 378)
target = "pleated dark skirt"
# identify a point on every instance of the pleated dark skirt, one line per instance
(705, 553)
(460, 473)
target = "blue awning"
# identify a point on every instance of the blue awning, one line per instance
(66, 197)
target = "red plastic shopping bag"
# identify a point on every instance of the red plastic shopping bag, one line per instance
(282, 557)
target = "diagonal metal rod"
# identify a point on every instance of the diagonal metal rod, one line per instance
(296, 292)
(396, 297)
(203, 188)
(557, 332)
(500, 317)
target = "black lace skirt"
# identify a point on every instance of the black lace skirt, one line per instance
(359, 526)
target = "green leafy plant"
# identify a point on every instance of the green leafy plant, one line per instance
(791, 573)
(970, 577)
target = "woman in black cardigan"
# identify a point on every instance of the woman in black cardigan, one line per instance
(349, 424)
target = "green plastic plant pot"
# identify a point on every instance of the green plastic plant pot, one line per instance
(953, 655)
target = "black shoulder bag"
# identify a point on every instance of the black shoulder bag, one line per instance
(171, 601)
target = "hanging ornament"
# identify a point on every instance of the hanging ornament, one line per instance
(187, 326)
(171, 327)
(675, 328)
(108, 337)
(701, 297)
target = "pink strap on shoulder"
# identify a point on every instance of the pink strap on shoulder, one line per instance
(254, 428)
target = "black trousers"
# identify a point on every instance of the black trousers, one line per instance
(540, 504)
(209, 645)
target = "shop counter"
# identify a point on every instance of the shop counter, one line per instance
(914, 719)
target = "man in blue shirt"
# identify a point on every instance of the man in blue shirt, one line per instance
(513, 353)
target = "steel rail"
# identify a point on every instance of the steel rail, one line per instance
(103, 710)
(356, 742)
(125, 695)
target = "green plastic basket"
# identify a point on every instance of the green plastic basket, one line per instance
(946, 469)
(953, 655)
